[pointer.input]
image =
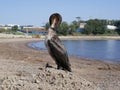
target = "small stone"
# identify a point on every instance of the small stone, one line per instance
(37, 81)
(61, 75)
(40, 68)
(40, 88)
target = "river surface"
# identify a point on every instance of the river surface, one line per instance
(105, 50)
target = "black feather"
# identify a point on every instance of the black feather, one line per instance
(58, 52)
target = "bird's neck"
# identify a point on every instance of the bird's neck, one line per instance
(52, 30)
(51, 33)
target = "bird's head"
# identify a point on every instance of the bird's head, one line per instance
(55, 20)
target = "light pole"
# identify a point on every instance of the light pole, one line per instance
(78, 18)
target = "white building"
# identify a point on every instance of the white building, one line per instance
(111, 27)
(82, 25)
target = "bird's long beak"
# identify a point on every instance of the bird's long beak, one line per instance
(54, 23)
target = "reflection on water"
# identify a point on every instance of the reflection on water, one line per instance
(107, 50)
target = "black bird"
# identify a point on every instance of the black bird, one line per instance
(54, 45)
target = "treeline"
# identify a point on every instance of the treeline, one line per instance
(92, 27)
(12, 30)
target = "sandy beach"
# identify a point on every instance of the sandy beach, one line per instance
(24, 68)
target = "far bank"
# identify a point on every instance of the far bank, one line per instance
(8, 36)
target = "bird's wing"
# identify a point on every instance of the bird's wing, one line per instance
(58, 51)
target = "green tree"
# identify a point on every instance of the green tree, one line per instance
(47, 25)
(63, 29)
(88, 28)
(15, 28)
(95, 27)
(71, 29)
(117, 23)
(73, 26)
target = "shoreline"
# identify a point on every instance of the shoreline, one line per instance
(23, 68)
(11, 36)
(90, 37)
(87, 58)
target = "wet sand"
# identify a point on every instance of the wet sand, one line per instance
(23, 68)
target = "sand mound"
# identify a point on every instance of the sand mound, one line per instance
(46, 79)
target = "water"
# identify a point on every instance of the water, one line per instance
(106, 50)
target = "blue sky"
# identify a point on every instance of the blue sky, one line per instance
(37, 12)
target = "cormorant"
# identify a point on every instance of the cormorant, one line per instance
(55, 46)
